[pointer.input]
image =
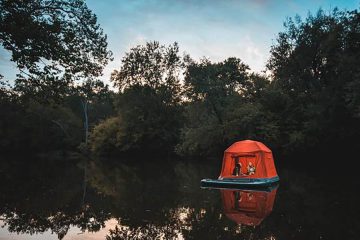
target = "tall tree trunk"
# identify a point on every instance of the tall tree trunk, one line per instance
(86, 119)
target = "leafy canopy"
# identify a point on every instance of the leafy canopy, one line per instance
(151, 65)
(52, 42)
(58, 32)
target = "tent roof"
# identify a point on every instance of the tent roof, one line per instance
(247, 146)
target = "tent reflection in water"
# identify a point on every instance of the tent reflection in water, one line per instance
(247, 207)
(246, 163)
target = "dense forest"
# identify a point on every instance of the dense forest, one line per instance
(165, 102)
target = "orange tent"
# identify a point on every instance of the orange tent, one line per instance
(247, 207)
(246, 153)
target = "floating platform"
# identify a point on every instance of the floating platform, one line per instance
(246, 164)
(241, 183)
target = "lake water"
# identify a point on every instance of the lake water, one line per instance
(155, 199)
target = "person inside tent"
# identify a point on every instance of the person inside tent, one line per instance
(251, 169)
(237, 169)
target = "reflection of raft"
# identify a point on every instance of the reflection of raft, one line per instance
(248, 207)
(245, 153)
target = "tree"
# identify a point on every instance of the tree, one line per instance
(90, 92)
(315, 64)
(153, 65)
(223, 97)
(59, 49)
(148, 104)
(149, 123)
(53, 43)
(104, 139)
(144, 124)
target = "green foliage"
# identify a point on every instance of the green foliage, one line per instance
(315, 65)
(148, 119)
(310, 99)
(153, 65)
(61, 32)
(211, 87)
(41, 127)
(46, 126)
(202, 133)
(144, 124)
(250, 121)
(53, 43)
(213, 81)
(98, 97)
(105, 136)
(37, 127)
(149, 100)
(224, 107)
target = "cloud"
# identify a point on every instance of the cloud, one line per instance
(214, 28)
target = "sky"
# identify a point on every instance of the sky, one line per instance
(216, 29)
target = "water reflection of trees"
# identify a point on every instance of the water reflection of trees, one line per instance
(157, 203)
(151, 200)
(148, 231)
(47, 195)
(58, 222)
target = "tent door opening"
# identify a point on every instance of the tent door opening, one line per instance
(240, 164)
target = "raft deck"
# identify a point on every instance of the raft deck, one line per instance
(247, 183)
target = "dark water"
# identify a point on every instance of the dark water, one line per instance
(83, 199)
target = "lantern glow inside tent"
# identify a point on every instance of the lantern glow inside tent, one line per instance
(246, 163)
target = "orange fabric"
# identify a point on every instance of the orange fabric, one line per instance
(248, 151)
(247, 207)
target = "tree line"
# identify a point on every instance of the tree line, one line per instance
(166, 102)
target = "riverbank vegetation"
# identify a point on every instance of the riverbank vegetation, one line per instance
(165, 102)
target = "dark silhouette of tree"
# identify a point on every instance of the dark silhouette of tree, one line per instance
(59, 50)
(148, 105)
(152, 65)
(223, 106)
(314, 64)
(53, 43)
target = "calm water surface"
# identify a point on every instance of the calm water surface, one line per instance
(83, 199)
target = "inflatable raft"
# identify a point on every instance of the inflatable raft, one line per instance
(245, 183)
(248, 164)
